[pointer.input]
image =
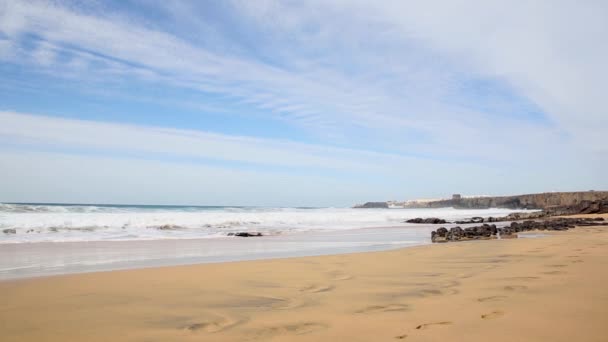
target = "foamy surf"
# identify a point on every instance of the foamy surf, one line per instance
(26, 223)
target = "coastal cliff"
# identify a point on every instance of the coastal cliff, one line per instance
(546, 201)
(528, 201)
(370, 205)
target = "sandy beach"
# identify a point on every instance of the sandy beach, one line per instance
(528, 289)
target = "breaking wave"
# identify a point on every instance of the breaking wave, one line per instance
(21, 223)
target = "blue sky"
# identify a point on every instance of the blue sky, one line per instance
(299, 102)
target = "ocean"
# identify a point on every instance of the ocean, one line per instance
(39, 239)
(47, 222)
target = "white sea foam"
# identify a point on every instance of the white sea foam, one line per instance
(39, 223)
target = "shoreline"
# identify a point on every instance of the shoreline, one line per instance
(536, 234)
(77, 257)
(56, 258)
(475, 291)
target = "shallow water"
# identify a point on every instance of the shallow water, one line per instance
(49, 258)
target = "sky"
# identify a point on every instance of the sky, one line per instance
(300, 103)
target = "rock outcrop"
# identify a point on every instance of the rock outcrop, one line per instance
(487, 231)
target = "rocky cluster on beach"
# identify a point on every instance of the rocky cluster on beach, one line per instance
(490, 231)
(478, 219)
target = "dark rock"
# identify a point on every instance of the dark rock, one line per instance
(430, 220)
(245, 234)
(493, 229)
(505, 231)
(455, 233)
(10, 231)
(477, 219)
(440, 235)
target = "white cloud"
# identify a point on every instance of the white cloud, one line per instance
(551, 51)
(402, 93)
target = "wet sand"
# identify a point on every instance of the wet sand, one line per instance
(544, 289)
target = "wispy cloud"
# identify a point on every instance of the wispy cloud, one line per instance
(368, 90)
(40, 131)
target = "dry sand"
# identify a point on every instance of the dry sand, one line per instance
(547, 289)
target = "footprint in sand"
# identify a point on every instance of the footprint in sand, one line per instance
(317, 288)
(556, 265)
(524, 278)
(464, 275)
(449, 284)
(212, 326)
(427, 325)
(298, 328)
(432, 275)
(421, 293)
(401, 337)
(263, 302)
(493, 315)
(384, 308)
(338, 275)
(515, 287)
(553, 272)
(491, 299)
(576, 261)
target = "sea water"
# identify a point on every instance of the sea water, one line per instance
(79, 222)
(53, 239)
